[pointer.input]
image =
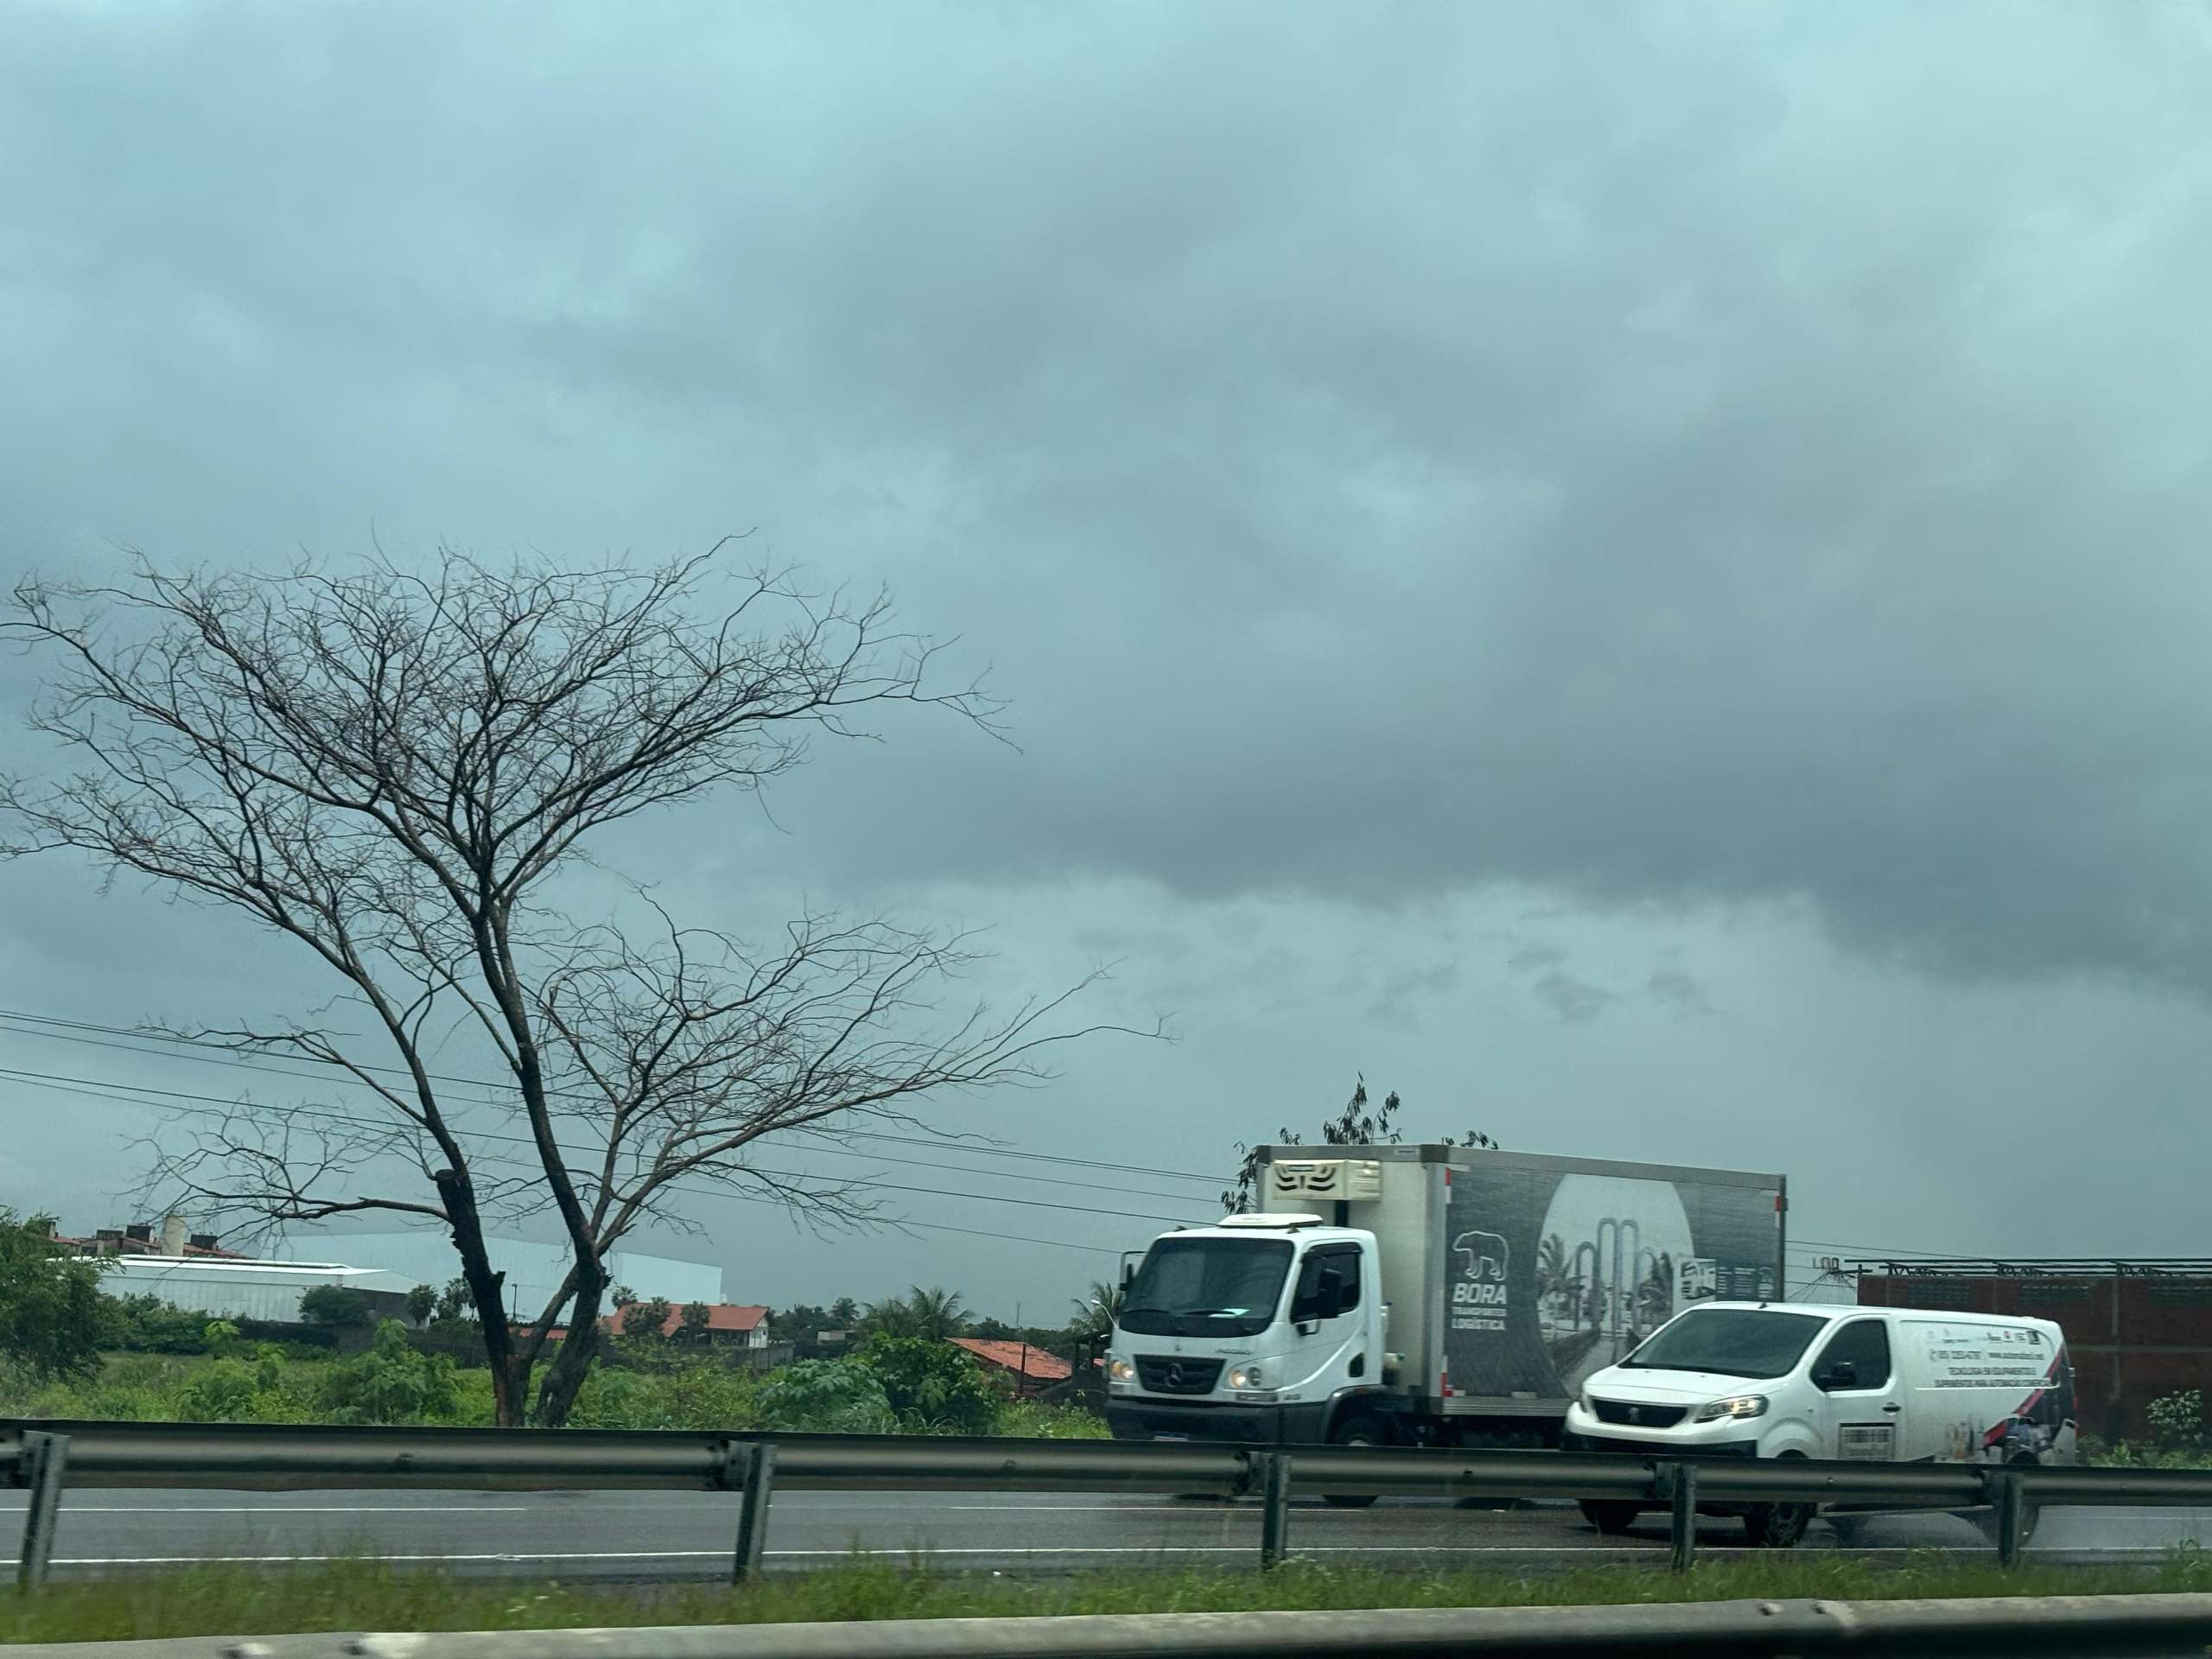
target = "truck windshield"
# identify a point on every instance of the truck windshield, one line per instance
(1207, 1286)
(1731, 1341)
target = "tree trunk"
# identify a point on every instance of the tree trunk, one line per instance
(487, 1289)
(564, 1379)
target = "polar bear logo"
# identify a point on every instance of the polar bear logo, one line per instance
(1484, 1254)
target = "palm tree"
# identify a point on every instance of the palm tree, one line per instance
(1551, 1273)
(1095, 1314)
(1655, 1297)
(936, 1313)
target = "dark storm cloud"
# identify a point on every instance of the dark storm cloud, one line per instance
(1677, 455)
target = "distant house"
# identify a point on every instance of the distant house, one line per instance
(730, 1325)
(144, 1238)
(1031, 1366)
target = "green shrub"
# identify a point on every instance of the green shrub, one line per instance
(391, 1384)
(823, 1396)
(932, 1386)
(143, 1325)
(339, 1307)
(2177, 1421)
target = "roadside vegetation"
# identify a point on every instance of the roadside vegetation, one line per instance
(69, 1349)
(890, 1385)
(366, 1594)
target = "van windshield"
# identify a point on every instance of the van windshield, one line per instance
(1731, 1341)
(1208, 1287)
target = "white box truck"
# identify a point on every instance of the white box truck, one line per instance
(1426, 1295)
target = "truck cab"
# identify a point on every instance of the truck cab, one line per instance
(1266, 1329)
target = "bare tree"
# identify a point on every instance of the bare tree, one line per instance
(394, 770)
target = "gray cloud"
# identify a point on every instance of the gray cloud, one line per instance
(1573, 999)
(1666, 462)
(1701, 467)
(1671, 987)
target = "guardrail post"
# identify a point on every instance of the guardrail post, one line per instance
(758, 1461)
(1682, 1496)
(1274, 1520)
(2011, 1517)
(45, 1457)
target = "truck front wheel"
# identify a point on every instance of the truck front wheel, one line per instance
(1358, 1429)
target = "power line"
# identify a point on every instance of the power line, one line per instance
(218, 1106)
(58, 1029)
(825, 1135)
(1885, 1252)
(735, 1197)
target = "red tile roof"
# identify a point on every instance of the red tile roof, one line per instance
(1022, 1358)
(728, 1318)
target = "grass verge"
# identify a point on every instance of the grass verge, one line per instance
(368, 1594)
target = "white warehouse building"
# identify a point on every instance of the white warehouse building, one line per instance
(238, 1289)
(534, 1271)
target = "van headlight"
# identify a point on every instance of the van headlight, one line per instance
(1121, 1371)
(1248, 1377)
(1737, 1405)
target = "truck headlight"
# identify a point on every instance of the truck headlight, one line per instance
(1583, 1400)
(1121, 1371)
(1248, 1377)
(1737, 1405)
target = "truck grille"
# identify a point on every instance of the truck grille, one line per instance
(1164, 1374)
(1633, 1416)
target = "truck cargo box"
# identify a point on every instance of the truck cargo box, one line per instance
(1511, 1276)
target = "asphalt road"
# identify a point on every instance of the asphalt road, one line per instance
(688, 1535)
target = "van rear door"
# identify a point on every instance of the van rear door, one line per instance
(1985, 1390)
(1862, 1392)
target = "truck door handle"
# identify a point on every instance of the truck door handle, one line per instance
(1893, 1410)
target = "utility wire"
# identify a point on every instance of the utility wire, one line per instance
(508, 1159)
(61, 1030)
(216, 1106)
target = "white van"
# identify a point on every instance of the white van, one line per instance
(1880, 1384)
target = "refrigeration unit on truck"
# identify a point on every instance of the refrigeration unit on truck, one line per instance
(1426, 1295)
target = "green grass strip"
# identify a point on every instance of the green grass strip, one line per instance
(369, 1594)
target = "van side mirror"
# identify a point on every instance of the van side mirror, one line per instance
(1842, 1374)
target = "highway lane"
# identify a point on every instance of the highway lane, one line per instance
(663, 1535)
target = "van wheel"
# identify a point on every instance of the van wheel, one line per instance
(1358, 1430)
(1986, 1519)
(1612, 1518)
(1778, 1526)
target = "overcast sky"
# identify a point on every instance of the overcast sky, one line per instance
(1637, 574)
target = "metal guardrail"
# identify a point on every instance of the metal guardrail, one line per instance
(2028, 1627)
(45, 1456)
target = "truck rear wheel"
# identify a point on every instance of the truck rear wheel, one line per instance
(1612, 1518)
(1356, 1430)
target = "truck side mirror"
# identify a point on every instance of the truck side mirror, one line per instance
(1326, 1297)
